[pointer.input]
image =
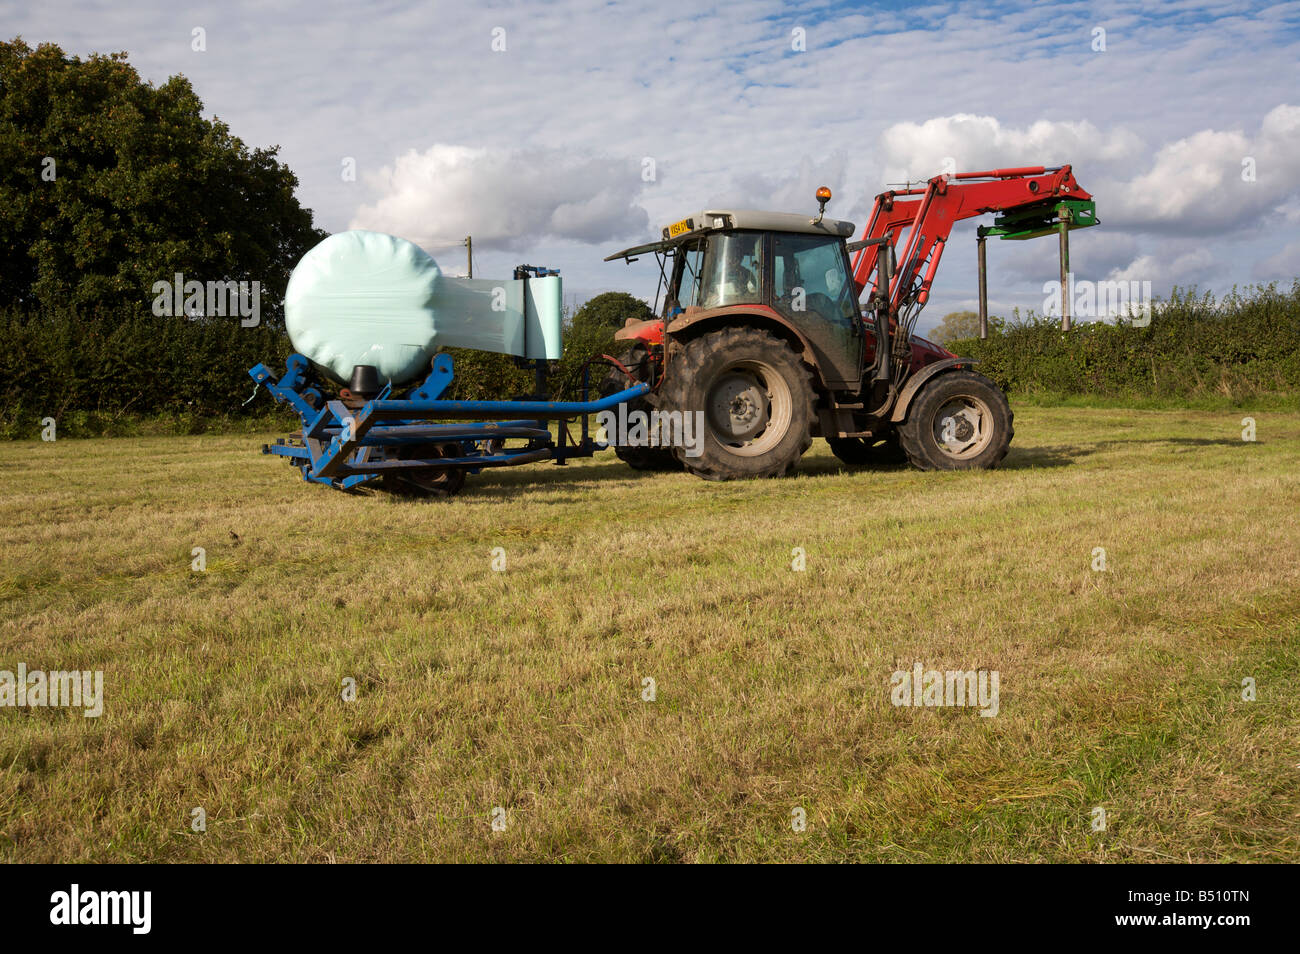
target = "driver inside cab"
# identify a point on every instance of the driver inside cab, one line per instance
(728, 280)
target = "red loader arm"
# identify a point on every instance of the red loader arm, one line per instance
(928, 219)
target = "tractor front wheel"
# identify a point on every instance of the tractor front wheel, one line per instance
(959, 421)
(753, 396)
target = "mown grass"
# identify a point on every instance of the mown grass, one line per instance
(522, 688)
(1262, 401)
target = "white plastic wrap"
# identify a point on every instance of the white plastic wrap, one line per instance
(369, 298)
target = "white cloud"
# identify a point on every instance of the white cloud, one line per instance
(717, 95)
(1193, 185)
(1164, 271)
(505, 199)
(1290, 211)
(1196, 185)
(791, 191)
(919, 150)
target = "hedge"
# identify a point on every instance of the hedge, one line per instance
(1244, 345)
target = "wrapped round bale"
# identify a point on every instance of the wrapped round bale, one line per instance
(369, 298)
(364, 298)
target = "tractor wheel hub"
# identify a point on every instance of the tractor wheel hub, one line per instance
(962, 427)
(738, 407)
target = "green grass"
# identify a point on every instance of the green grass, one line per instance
(522, 689)
(1262, 401)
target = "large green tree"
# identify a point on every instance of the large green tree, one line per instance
(109, 184)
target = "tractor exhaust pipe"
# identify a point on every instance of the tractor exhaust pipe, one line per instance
(884, 292)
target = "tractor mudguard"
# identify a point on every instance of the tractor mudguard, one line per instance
(703, 320)
(649, 330)
(918, 380)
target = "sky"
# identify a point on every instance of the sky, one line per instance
(557, 133)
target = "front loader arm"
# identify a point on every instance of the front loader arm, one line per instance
(914, 226)
(928, 214)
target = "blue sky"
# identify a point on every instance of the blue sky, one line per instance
(539, 149)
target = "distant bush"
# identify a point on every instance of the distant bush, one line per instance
(1242, 346)
(591, 334)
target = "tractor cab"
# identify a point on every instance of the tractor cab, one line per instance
(790, 269)
(724, 258)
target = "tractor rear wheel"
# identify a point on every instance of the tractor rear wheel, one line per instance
(959, 421)
(756, 402)
(637, 360)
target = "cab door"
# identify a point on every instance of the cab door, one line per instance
(811, 287)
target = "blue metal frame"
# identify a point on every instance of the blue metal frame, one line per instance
(344, 448)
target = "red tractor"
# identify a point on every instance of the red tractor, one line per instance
(778, 329)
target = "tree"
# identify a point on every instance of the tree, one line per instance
(609, 311)
(957, 325)
(110, 184)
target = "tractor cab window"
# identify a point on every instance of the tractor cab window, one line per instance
(684, 287)
(810, 275)
(732, 270)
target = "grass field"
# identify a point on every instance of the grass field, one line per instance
(521, 689)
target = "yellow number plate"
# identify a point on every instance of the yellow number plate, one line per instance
(679, 228)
